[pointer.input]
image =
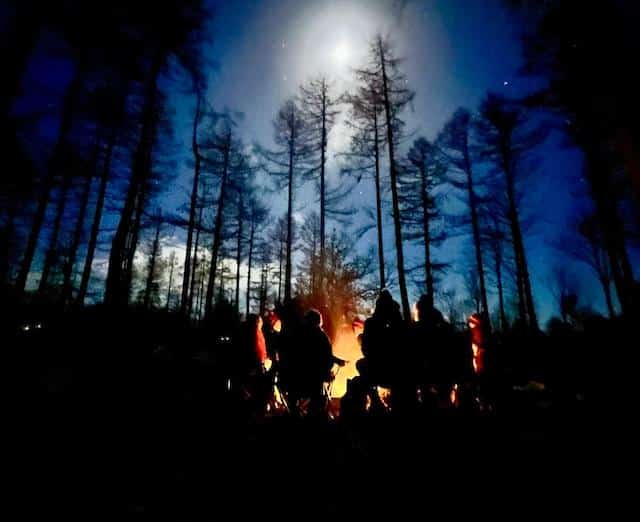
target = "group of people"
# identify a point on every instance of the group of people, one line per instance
(288, 349)
(424, 362)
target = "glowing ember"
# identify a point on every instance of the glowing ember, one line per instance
(385, 396)
(453, 396)
(476, 357)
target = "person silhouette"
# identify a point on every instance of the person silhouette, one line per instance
(383, 346)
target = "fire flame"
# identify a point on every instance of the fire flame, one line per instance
(345, 347)
(453, 396)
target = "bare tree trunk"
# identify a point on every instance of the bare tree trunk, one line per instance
(68, 108)
(426, 237)
(125, 240)
(381, 267)
(249, 261)
(52, 249)
(152, 266)
(67, 287)
(280, 274)
(475, 225)
(404, 297)
(192, 208)
(239, 252)
(7, 237)
(201, 291)
(611, 227)
(515, 241)
(526, 307)
(606, 289)
(217, 232)
(323, 146)
(97, 219)
(287, 269)
(173, 262)
(194, 263)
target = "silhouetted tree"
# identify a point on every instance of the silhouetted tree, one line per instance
(257, 215)
(310, 268)
(110, 106)
(227, 160)
(507, 139)
(495, 238)
(173, 29)
(278, 236)
(419, 179)
(366, 145)
(57, 162)
(596, 111)
(290, 163)
(455, 143)
(91, 169)
(585, 245)
(384, 68)
(155, 266)
(171, 263)
(319, 109)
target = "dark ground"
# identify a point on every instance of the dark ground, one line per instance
(118, 428)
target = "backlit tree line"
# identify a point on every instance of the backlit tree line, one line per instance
(81, 214)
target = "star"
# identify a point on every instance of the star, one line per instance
(505, 83)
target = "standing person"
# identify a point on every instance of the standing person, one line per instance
(384, 347)
(316, 361)
(251, 363)
(432, 339)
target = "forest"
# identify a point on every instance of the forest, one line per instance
(84, 221)
(148, 222)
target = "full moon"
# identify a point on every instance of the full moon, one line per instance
(341, 53)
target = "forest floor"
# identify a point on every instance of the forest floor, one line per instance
(96, 434)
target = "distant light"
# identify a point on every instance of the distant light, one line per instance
(505, 83)
(342, 53)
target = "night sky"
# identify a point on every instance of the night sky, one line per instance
(455, 51)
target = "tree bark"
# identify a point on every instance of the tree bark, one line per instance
(173, 262)
(97, 218)
(68, 108)
(184, 301)
(194, 263)
(525, 296)
(376, 145)
(404, 297)
(475, 225)
(52, 249)
(287, 268)
(125, 240)
(249, 262)
(217, 232)
(323, 145)
(67, 287)
(426, 237)
(152, 266)
(239, 252)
